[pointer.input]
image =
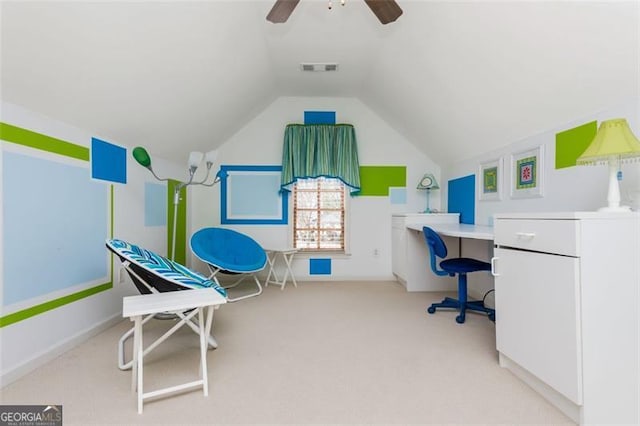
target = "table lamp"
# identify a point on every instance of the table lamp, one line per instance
(428, 182)
(614, 143)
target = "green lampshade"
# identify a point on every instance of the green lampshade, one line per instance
(142, 156)
(614, 138)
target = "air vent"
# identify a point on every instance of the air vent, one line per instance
(319, 67)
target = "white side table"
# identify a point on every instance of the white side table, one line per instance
(287, 255)
(136, 307)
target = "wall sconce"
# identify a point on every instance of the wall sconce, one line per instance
(428, 182)
(195, 158)
(614, 143)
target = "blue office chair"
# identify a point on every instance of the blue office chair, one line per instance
(460, 266)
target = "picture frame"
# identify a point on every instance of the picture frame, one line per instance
(527, 173)
(490, 180)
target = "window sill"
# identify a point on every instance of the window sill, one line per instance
(323, 253)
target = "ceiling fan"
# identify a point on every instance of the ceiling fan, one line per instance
(385, 10)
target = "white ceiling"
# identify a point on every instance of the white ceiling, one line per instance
(457, 78)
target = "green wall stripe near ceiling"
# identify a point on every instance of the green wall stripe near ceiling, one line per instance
(31, 139)
(35, 140)
(376, 180)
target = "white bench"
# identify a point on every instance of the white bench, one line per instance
(136, 307)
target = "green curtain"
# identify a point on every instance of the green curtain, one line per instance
(316, 150)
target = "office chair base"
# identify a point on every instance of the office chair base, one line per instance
(474, 306)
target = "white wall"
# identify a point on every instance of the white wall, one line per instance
(578, 188)
(260, 143)
(33, 341)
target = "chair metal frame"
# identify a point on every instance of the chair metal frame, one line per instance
(460, 266)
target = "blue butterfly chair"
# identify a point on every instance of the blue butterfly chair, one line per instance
(229, 252)
(460, 266)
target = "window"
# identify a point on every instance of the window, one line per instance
(318, 215)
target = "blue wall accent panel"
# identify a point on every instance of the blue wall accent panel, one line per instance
(319, 266)
(319, 117)
(155, 204)
(108, 161)
(398, 195)
(462, 198)
(60, 222)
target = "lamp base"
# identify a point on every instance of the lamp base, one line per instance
(621, 209)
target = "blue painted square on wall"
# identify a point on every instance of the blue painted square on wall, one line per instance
(319, 117)
(319, 266)
(108, 161)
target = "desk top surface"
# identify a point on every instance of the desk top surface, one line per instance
(460, 230)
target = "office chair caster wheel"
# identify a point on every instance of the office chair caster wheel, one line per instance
(460, 319)
(431, 310)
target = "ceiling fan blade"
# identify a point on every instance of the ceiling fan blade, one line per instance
(386, 10)
(281, 10)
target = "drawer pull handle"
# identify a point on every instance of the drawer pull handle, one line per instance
(525, 234)
(494, 260)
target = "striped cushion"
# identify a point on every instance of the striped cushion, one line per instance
(162, 267)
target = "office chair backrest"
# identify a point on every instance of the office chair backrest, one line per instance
(437, 248)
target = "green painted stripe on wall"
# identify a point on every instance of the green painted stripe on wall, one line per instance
(52, 304)
(35, 140)
(571, 143)
(376, 180)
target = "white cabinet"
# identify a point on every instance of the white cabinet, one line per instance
(409, 254)
(567, 295)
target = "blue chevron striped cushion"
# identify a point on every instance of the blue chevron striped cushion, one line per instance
(162, 267)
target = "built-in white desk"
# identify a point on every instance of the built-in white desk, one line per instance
(459, 230)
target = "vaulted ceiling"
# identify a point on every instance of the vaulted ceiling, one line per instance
(457, 78)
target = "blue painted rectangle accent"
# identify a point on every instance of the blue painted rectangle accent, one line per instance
(59, 221)
(250, 195)
(319, 266)
(108, 161)
(155, 204)
(398, 195)
(319, 117)
(462, 198)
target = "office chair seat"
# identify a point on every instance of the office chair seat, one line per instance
(460, 266)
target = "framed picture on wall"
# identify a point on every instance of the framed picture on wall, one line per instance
(490, 180)
(527, 173)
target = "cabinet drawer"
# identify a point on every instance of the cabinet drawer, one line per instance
(398, 222)
(547, 236)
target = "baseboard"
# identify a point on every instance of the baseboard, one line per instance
(571, 410)
(41, 359)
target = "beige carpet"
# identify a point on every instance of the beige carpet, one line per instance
(356, 352)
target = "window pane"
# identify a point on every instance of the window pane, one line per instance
(331, 200)
(331, 219)
(331, 184)
(308, 200)
(331, 239)
(306, 239)
(307, 219)
(306, 184)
